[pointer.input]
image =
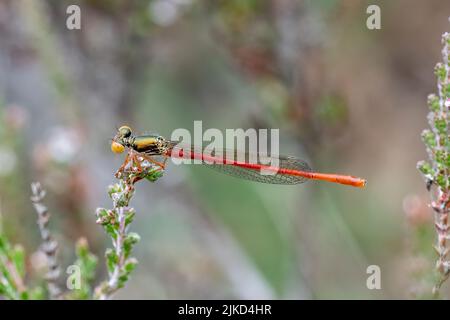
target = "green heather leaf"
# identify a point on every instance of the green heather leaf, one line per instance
(122, 280)
(447, 162)
(111, 230)
(439, 71)
(102, 215)
(441, 181)
(129, 216)
(3, 245)
(154, 175)
(130, 240)
(24, 295)
(440, 157)
(433, 102)
(18, 258)
(425, 168)
(2, 288)
(114, 188)
(91, 265)
(86, 260)
(446, 38)
(82, 249)
(111, 259)
(37, 293)
(441, 125)
(130, 265)
(447, 91)
(428, 138)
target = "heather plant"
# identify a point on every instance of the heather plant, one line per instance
(437, 169)
(119, 261)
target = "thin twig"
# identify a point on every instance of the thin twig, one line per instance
(113, 282)
(437, 170)
(116, 223)
(49, 245)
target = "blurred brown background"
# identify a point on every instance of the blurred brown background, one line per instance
(345, 98)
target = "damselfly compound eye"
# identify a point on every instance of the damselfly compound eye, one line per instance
(125, 131)
(117, 147)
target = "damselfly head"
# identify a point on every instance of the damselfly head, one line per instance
(120, 140)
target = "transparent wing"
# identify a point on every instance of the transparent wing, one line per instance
(227, 161)
(256, 175)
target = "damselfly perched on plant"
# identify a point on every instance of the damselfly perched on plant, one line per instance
(148, 155)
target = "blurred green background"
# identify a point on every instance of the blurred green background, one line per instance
(345, 98)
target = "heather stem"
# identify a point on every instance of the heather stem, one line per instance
(437, 170)
(118, 246)
(117, 220)
(49, 245)
(115, 223)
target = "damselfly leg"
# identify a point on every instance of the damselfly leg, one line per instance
(138, 166)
